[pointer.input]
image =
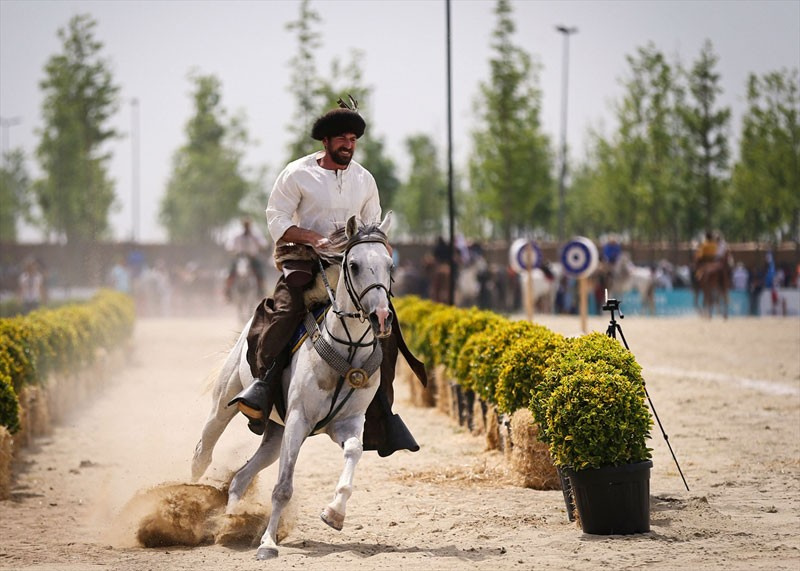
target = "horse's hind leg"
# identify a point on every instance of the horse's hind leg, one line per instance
(228, 384)
(215, 425)
(267, 453)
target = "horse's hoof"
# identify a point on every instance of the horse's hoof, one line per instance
(264, 553)
(332, 518)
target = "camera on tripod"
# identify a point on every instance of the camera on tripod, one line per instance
(612, 305)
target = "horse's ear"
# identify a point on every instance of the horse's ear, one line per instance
(387, 223)
(351, 228)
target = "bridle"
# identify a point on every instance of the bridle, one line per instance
(355, 297)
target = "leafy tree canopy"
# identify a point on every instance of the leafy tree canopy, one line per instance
(207, 184)
(80, 96)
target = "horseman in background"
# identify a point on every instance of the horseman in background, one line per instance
(712, 273)
(438, 265)
(249, 243)
(705, 254)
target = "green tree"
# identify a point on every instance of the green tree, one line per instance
(207, 183)
(15, 187)
(423, 198)
(707, 127)
(75, 193)
(634, 181)
(509, 170)
(314, 95)
(766, 179)
(349, 81)
(305, 85)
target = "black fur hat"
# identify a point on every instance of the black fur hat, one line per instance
(344, 119)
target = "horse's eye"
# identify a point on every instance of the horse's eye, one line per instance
(354, 268)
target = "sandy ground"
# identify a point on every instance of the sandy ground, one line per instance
(727, 393)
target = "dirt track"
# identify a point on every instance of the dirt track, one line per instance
(728, 394)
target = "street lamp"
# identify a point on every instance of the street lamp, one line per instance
(450, 204)
(134, 169)
(563, 170)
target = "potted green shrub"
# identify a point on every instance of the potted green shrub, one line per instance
(597, 426)
(523, 366)
(467, 323)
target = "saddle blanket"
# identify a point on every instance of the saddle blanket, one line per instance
(300, 333)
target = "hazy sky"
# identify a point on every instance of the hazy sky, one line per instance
(154, 44)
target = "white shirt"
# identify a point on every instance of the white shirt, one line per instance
(318, 199)
(250, 244)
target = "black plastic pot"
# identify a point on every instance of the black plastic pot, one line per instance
(613, 499)
(566, 489)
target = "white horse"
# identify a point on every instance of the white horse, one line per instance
(316, 396)
(544, 286)
(625, 276)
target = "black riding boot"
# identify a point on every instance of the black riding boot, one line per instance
(256, 400)
(395, 434)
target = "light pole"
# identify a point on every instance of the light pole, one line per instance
(5, 125)
(451, 207)
(134, 169)
(563, 167)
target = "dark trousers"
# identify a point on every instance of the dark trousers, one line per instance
(274, 322)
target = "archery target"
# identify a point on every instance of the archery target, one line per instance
(579, 257)
(518, 255)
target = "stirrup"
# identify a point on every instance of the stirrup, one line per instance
(252, 399)
(251, 402)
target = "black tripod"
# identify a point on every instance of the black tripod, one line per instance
(611, 306)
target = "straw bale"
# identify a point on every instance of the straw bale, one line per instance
(492, 429)
(23, 437)
(39, 411)
(444, 394)
(6, 456)
(478, 418)
(530, 457)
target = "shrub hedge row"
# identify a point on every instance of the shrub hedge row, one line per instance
(51, 340)
(586, 393)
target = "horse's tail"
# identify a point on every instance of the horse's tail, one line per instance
(211, 377)
(234, 353)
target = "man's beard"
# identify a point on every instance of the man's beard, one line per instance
(339, 158)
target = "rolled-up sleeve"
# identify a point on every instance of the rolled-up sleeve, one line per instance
(283, 202)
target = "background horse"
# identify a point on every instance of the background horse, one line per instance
(244, 291)
(714, 282)
(317, 399)
(624, 276)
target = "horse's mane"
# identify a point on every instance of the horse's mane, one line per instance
(340, 243)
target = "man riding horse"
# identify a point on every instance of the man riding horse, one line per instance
(312, 197)
(712, 274)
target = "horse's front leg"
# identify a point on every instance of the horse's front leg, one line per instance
(349, 436)
(295, 432)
